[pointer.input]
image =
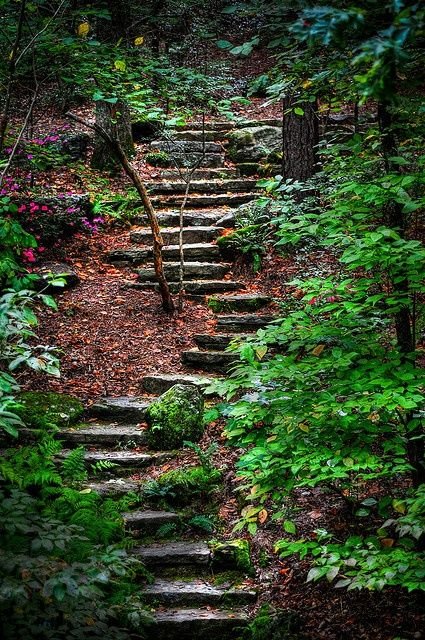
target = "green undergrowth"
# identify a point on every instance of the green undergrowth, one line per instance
(42, 410)
(182, 486)
(272, 624)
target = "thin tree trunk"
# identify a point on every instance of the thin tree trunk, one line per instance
(115, 119)
(157, 244)
(300, 140)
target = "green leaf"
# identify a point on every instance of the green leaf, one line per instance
(290, 527)
(298, 111)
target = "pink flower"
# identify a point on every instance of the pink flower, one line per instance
(28, 255)
(22, 208)
(44, 208)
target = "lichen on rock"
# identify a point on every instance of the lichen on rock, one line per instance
(233, 554)
(175, 416)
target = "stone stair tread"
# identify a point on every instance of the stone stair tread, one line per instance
(218, 361)
(161, 382)
(186, 146)
(239, 302)
(114, 486)
(199, 591)
(174, 553)
(170, 235)
(139, 255)
(124, 458)
(103, 433)
(216, 186)
(128, 407)
(148, 518)
(194, 288)
(243, 322)
(193, 270)
(217, 341)
(202, 624)
(203, 200)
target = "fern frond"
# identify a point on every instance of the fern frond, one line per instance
(74, 466)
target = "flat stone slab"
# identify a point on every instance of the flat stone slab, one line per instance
(161, 382)
(148, 521)
(190, 159)
(174, 554)
(191, 235)
(201, 624)
(201, 200)
(216, 341)
(186, 146)
(193, 270)
(104, 434)
(235, 185)
(218, 361)
(123, 461)
(243, 323)
(114, 487)
(202, 173)
(195, 136)
(195, 592)
(191, 218)
(124, 407)
(240, 302)
(197, 252)
(195, 289)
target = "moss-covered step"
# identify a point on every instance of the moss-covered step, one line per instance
(192, 271)
(174, 554)
(186, 146)
(200, 251)
(191, 235)
(236, 185)
(103, 434)
(120, 463)
(202, 624)
(148, 522)
(243, 323)
(195, 289)
(216, 341)
(195, 593)
(200, 200)
(43, 409)
(129, 408)
(241, 302)
(215, 361)
(161, 382)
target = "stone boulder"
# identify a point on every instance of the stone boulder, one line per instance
(51, 270)
(45, 409)
(174, 417)
(253, 144)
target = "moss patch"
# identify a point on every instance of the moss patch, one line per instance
(233, 554)
(39, 409)
(174, 417)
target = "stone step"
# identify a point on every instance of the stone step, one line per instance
(201, 173)
(148, 522)
(243, 323)
(195, 593)
(114, 487)
(191, 235)
(186, 146)
(195, 289)
(201, 200)
(216, 341)
(194, 159)
(130, 408)
(174, 554)
(122, 460)
(202, 252)
(159, 383)
(191, 218)
(192, 271)
(216, 361)
(196, 135)
(240, 302)
(203, 186)
(109, 434)
(226, 125)
(202, 624)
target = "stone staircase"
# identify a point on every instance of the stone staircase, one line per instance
(193, 593)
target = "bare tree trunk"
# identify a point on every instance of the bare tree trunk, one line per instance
(116, 121)
(157, 244)
(300, 139)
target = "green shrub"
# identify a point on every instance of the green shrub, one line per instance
(158, 159)
(41, 409)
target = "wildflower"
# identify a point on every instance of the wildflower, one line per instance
(28, 255)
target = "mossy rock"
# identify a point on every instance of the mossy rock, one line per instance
(174, 417)
(41, 409)
(233, 554)
(183, 485)
(252, 144)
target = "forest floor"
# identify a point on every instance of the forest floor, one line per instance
(110, 337)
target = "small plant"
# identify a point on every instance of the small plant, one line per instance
(204, 456)
(203, 523)
(158, 159)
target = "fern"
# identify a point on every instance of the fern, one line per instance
(202, 522)
(167, 530)
(204, 456)
(74, 467)
(102, 465)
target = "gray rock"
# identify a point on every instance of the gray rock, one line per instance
(198, 251)
(175, 416)
(52, 271)
(192, 271)
(203, 200)
(186, 146)
(241, 323)
(227, 221)
(252, 144)
(202, 624)
(191, 235)
(240, 302)
(218, 361)
(149, 521)
(75, 145)
(125, 408)
(174, 554)
(159, 383)
(109, 434)
(195, 592)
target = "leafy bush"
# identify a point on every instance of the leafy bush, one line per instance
(158, 159)
(180, 486)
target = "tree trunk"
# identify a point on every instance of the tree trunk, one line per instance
(116, 121)
(300, 139)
